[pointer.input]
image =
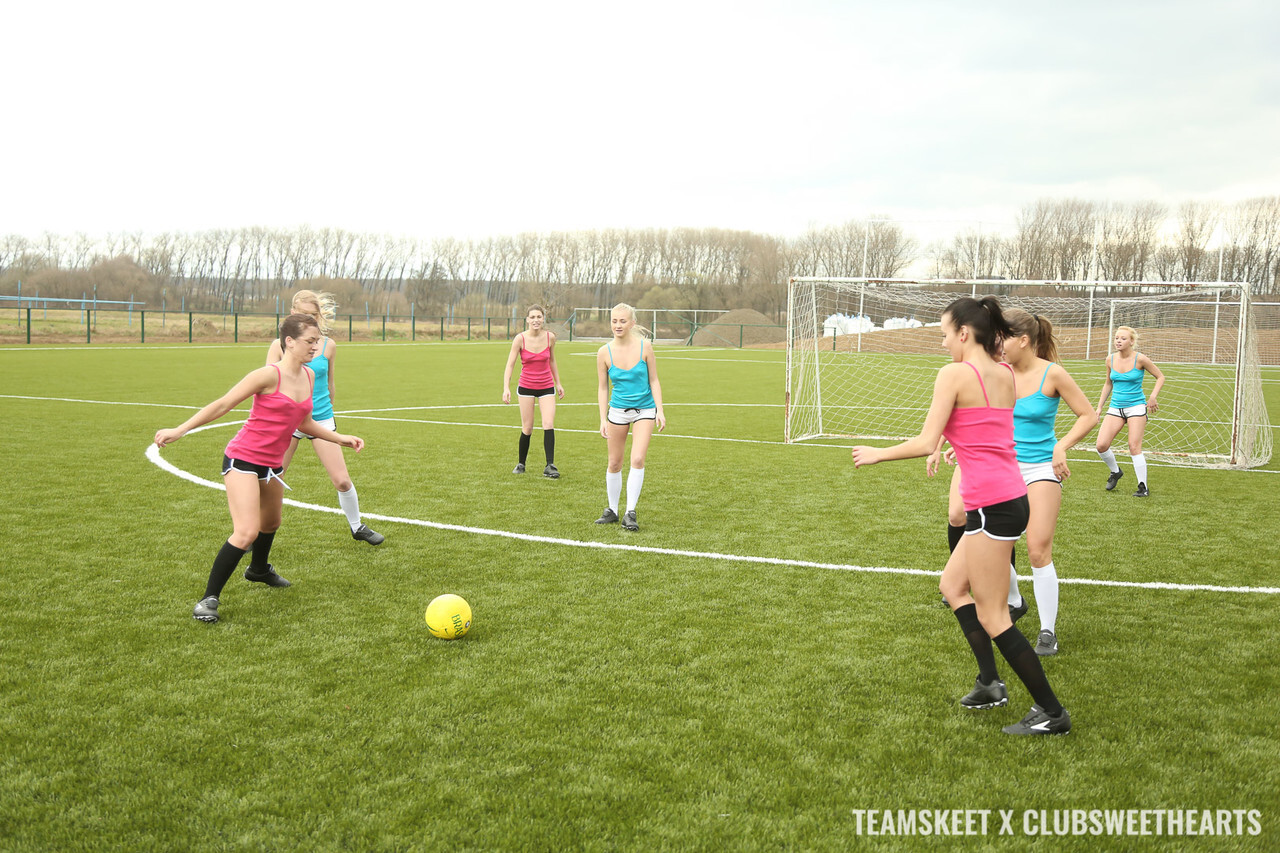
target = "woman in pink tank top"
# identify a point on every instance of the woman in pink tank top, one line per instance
(972, 408)
(539, 383)
(254, 458)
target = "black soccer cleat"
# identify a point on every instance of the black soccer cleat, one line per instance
(206, 609)
(551, 472)
(1113, 479)
(519, 469)
(1142, 491)
(984, 696)
(366, 534)
(1017, 611)
(1040, 722)
(629, 520)
(607, 517)
(1047, 643)
(269, 577)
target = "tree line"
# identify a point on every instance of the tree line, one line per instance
(249, 269)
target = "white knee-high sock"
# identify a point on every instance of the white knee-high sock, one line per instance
(350, 507)
(635, 482)
(1110, 458)
(1015, 595)
(613, 486)
(1045, 579)
(1140, 467)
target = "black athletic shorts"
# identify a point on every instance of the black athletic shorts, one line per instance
(522, 391)
(262, 472)
(1005, 520)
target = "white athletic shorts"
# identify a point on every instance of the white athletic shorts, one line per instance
(621, 417)
(1035, 472)
(328, 423)
(1126, 412)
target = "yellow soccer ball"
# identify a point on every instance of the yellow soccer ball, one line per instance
(448, 616)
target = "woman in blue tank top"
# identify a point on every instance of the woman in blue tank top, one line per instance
(1125, 372)
(1032, 352)
(630, 401)
(322, 307)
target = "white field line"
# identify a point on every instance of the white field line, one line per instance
(366, 414)
(153, 453)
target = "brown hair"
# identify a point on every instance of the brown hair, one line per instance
(1037, 328)
(293, 326)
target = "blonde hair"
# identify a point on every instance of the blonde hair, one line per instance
(324, 301)
(1133, 335)
(636, 329)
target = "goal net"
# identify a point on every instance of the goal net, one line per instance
(862, 356)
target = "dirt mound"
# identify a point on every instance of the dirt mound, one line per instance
(740, 327)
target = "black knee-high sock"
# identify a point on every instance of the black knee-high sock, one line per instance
(1026, 664)
(524, 447)
(954, 535)
(973, 631)
(260, 561)
(549, 445)
(224, 566)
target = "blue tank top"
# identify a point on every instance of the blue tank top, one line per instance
(321, 405)
(1126, 388)
(630, 387)
(1033, 418)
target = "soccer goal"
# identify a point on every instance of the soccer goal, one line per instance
(862, 356)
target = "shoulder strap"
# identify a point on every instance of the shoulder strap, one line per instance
(981, 384)
(1043, 378)
(279, 376)
(1013, 375)
(609, 347)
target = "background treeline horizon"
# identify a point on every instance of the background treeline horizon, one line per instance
(250, 269)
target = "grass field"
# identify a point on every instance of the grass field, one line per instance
(731, 677)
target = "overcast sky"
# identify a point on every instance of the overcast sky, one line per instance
(472, 119)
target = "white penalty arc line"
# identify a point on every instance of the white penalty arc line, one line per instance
(153, 453)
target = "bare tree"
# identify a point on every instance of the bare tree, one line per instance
(1196, 223)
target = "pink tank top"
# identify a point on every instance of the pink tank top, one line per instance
(535, 367)
(983, 440)
(265, 436)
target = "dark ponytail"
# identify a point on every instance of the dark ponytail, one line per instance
(984, 318)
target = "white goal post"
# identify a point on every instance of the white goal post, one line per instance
(862, 355)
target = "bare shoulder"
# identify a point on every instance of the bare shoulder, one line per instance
(263, 378)
(1057, 378)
